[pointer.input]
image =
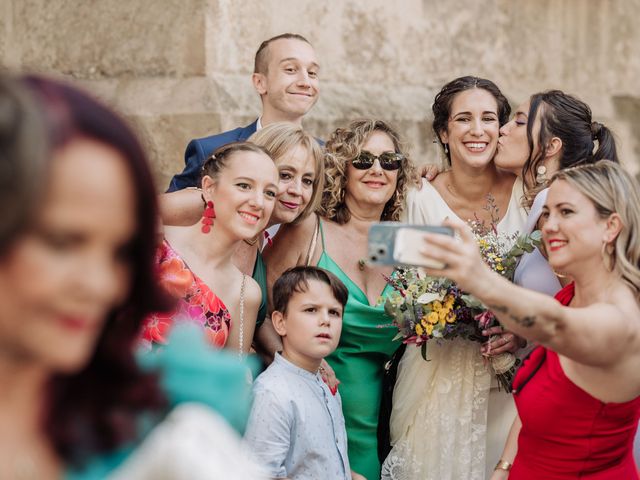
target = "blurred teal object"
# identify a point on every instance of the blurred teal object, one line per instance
(193, 371)
(190, 370)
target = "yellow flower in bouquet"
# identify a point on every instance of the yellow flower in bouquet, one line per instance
(432, 317)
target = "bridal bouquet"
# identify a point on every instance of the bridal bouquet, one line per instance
(427, 308)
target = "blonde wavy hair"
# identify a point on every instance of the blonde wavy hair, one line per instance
(613, 190)
(279, 139)
(345, 145)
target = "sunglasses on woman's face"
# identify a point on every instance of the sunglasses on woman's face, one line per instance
(388, 160)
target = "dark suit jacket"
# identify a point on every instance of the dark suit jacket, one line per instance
(199, 150)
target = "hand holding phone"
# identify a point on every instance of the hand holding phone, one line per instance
(393, 243)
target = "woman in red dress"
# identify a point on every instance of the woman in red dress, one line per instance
(578, 394)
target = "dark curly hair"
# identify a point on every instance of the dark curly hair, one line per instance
(444, 99)
(93, 410)
(346, 144)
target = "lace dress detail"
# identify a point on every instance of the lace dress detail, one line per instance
(438, 431)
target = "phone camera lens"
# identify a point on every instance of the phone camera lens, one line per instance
(373, 258)
(381, 251)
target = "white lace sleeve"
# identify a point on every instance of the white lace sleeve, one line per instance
(192, 443)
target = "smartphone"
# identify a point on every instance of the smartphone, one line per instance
(393, 243)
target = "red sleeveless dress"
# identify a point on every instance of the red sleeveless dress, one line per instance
(566, 433)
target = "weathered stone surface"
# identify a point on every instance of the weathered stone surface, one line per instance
(181, 70)
(166, 136)
(96, 39)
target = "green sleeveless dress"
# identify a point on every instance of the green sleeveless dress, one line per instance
(366, 344)
(260, 276)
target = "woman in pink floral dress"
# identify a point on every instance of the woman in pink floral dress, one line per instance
(239, 187)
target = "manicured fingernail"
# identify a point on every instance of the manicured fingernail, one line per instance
(334, 390)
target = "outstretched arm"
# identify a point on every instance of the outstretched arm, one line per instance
(532, 315)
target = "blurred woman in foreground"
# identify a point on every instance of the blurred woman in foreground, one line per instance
(578, 394)
(77, 242)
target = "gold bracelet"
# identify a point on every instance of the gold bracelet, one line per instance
(503, 465)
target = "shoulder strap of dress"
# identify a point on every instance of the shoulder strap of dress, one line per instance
(314, 241)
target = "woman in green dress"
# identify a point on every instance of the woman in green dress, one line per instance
(367, 176)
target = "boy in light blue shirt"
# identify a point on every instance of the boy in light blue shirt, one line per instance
(296, 427)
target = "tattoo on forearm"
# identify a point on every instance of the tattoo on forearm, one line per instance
(526, 321)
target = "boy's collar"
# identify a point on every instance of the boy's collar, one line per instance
(292, 367)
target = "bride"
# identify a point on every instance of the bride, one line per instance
(447, 412)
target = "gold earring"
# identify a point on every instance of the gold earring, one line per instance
(608, 253)
(541, 175)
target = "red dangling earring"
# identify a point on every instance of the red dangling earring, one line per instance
(207, 217)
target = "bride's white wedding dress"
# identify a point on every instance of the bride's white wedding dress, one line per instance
(449, 421)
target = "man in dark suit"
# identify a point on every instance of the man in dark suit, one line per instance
(285, 75)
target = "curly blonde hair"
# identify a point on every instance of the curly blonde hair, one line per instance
(346, 144)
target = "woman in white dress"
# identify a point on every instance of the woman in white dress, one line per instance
(550, 131)
(447, 412)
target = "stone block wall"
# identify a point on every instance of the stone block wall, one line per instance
(180, 69)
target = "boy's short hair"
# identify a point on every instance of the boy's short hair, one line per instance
(296, 280)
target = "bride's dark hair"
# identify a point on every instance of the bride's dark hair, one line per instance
(444, 99)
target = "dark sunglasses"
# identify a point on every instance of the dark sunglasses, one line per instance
(388, 160)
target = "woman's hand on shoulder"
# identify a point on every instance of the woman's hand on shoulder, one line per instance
(428, 171)
(329, 376)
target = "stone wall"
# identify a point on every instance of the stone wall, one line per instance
(181, 69)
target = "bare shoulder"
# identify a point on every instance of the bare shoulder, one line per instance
(301, 230)
(252, 292)
(292, 240)
(628, 309)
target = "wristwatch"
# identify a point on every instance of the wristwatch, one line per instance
(503, 465)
